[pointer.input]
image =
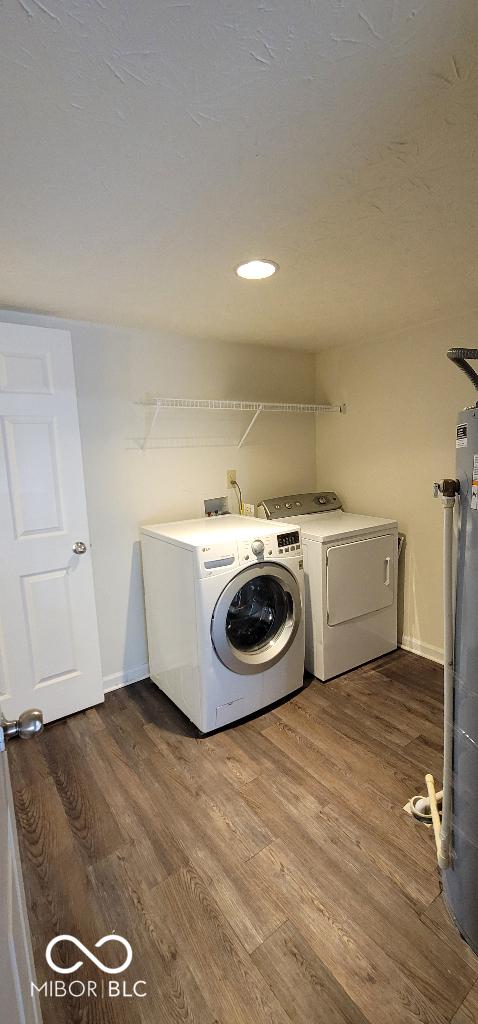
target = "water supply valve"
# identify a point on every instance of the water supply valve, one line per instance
(448, 488)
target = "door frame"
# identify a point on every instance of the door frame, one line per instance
(18, 965)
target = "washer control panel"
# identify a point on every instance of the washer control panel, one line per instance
(288, 542)
(257, 547)
(262, 549)
(232, 554)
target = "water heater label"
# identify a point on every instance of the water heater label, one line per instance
(474, 484)
(462, 435)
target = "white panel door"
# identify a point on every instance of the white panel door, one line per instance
(360, 577)
(49, 649)
(18, 1004)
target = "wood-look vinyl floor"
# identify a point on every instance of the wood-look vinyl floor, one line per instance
(266, 873)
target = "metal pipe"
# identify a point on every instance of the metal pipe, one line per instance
(448, 681)
(420, 806)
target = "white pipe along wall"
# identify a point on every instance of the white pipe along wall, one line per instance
(126, 487)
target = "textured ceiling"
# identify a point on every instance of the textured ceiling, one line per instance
(149, 146)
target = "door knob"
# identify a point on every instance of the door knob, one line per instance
(79, 547)
(28, 724)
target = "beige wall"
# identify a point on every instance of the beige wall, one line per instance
(382, 457)
(398, 437)
(125, 488)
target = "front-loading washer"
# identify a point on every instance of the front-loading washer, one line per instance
(224, 614)
(351, 567)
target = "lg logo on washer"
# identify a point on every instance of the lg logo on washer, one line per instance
(78, 989)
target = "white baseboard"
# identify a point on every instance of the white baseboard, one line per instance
(409, 643)
(124, 678)
(133, 675)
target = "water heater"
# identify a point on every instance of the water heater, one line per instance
(460, 878)
(456, 830)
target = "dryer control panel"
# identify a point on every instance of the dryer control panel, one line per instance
(298, 505)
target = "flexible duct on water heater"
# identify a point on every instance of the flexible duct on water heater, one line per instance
(459, 356)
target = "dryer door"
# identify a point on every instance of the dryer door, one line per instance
(256, 618)
(360, 577)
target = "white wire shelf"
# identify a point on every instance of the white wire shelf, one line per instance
(222, 405)
(138, 443)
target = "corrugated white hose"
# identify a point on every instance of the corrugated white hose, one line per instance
(445, 831)
(421, 805)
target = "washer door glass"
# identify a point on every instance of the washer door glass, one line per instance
(257, 614)
(256, 618)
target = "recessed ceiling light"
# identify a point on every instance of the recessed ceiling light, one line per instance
(257, 270)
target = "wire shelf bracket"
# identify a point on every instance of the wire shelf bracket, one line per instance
(251, 424)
